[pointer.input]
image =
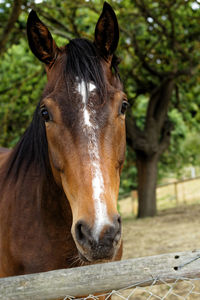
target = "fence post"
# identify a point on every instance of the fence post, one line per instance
(134, 197)
(176, 193)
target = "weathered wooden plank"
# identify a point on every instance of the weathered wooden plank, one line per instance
(102, 277)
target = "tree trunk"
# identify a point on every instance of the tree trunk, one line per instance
(147, 167)
(150, 143)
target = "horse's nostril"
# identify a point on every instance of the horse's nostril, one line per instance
(118, 224)
(82, 232)
(119, 220)
(117, 230)
(79, 234)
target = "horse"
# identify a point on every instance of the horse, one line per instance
(59, 185)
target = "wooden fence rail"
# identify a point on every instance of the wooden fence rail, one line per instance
(102, 277)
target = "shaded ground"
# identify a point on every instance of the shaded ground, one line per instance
(172, 230)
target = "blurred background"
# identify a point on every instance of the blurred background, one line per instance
(159, 50)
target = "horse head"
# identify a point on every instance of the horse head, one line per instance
(83, 112)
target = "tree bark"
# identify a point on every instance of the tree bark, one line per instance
(147, 167)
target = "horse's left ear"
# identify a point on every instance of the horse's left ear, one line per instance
(107, 32)
(40, 40)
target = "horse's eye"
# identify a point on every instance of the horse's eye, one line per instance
(124, 107)
(45, 114)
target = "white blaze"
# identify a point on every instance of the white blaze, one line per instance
(101, 216)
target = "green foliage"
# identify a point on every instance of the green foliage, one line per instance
(139, 108)
(21, 82)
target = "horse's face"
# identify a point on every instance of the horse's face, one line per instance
(84, 116)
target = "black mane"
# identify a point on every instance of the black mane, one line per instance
(83, 62)
(31, 149)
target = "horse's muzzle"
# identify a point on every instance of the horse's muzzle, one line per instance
(103, 248)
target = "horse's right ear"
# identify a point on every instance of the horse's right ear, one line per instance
(40, 40)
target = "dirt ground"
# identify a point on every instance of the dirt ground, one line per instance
(172, 230)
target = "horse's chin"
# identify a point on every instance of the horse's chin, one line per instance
(96, 257)
(89, 261)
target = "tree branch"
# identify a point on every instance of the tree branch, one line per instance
(72, 19)
(16, 10)
(145, 141)
(146, 13)
(166, 136)
(159, 103)
(142, 58)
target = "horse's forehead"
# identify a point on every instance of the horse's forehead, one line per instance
(85, 89)
(77, 93)
(81, 104)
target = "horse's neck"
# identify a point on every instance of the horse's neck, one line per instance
(35, 195)
(35, 225)
(4, 155)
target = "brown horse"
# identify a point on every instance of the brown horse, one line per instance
(59, 185)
